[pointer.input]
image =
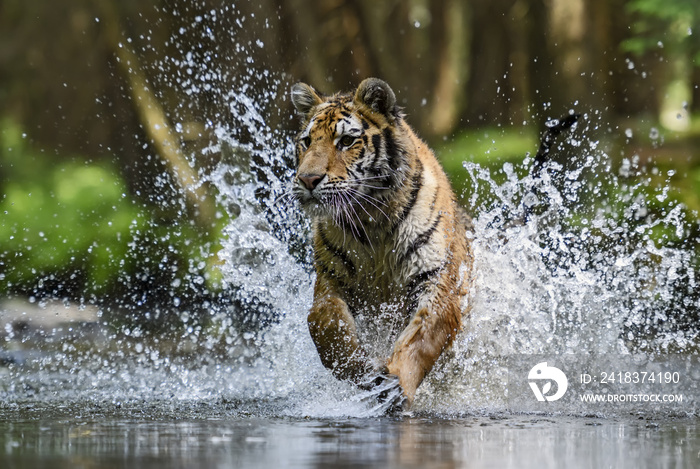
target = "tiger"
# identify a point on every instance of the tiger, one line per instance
(388, 236)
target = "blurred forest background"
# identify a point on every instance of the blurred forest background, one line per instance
(103, 119)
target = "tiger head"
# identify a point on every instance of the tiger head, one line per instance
(351, 151)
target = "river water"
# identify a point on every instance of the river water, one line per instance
(211, 437)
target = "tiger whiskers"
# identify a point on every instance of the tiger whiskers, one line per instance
(346, 196)
(343, 210)
(352, 218)
(291, 193)
(340, 215)
(362, 179)
(373, 201)
(360, 182)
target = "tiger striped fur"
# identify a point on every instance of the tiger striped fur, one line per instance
(388, 235)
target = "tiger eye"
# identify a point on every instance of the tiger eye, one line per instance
(305, 142)
(346, 141)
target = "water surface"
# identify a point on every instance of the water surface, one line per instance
(216, 434)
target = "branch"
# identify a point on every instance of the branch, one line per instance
(155, 123)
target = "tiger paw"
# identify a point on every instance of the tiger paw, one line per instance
(385, 389)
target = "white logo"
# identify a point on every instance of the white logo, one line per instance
(549, 373)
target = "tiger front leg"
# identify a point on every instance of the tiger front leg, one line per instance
(334, 333)
(431, 330)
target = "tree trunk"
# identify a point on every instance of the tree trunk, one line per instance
(453, 70)
(155, 124)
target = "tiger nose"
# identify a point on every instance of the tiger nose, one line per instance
(310, 181)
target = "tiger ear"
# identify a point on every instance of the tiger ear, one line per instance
(305, 98)
(377, 95)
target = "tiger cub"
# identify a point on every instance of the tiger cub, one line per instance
(388, 236)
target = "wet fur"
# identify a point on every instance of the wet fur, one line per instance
(388, 235)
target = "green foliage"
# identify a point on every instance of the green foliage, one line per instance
(488, 147)
(69, 225)
(661, 23)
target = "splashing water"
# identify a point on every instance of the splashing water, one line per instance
(577, 278)
(582, 275)
(580, 278)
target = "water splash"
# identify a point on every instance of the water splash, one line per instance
(587, 276)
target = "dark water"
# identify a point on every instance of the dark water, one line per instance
(79, 435)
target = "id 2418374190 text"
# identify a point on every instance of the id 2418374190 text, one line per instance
(631, 377)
